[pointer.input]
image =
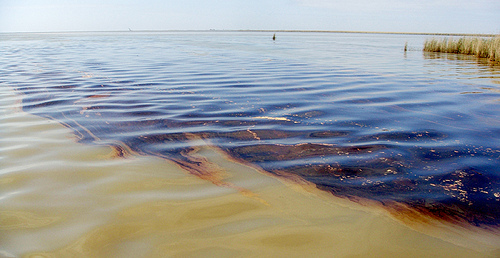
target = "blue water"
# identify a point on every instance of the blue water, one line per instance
(352, 113)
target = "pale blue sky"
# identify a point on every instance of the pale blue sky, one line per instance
(453, 16)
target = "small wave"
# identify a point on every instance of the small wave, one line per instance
(390, 139)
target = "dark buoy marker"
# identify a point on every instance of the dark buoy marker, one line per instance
(274, 36)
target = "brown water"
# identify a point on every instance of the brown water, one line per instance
(61, 196)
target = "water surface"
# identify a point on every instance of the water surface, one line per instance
(342, 115)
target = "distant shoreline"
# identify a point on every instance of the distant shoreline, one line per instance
(274, 31)
(377, 32)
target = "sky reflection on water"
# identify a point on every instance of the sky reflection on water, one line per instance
(350, 113)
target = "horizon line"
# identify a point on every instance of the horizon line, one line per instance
(272, 31)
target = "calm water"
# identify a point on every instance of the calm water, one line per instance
(179, 143)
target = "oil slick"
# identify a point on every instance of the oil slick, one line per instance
(146, 207)
(465, 196)
(354, 183)
(269, 154)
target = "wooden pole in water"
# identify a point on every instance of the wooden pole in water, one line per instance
(274, 36)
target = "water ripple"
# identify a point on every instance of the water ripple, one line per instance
(405, 136)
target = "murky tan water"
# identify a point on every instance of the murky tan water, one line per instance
(59, 198)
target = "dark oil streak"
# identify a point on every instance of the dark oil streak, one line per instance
(403, 180)
(400, 195)
(353, 182)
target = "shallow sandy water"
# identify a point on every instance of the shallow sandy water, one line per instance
(60, 198)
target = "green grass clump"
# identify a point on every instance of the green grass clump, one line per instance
(480, 47)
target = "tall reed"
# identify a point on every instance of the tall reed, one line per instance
(480, 47)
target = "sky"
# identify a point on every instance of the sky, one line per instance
(433, 16)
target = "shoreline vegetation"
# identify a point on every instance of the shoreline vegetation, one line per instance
(478, 46)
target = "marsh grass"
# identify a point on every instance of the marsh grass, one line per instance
(480, 47)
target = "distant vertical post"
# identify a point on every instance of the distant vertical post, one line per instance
(274, 36)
